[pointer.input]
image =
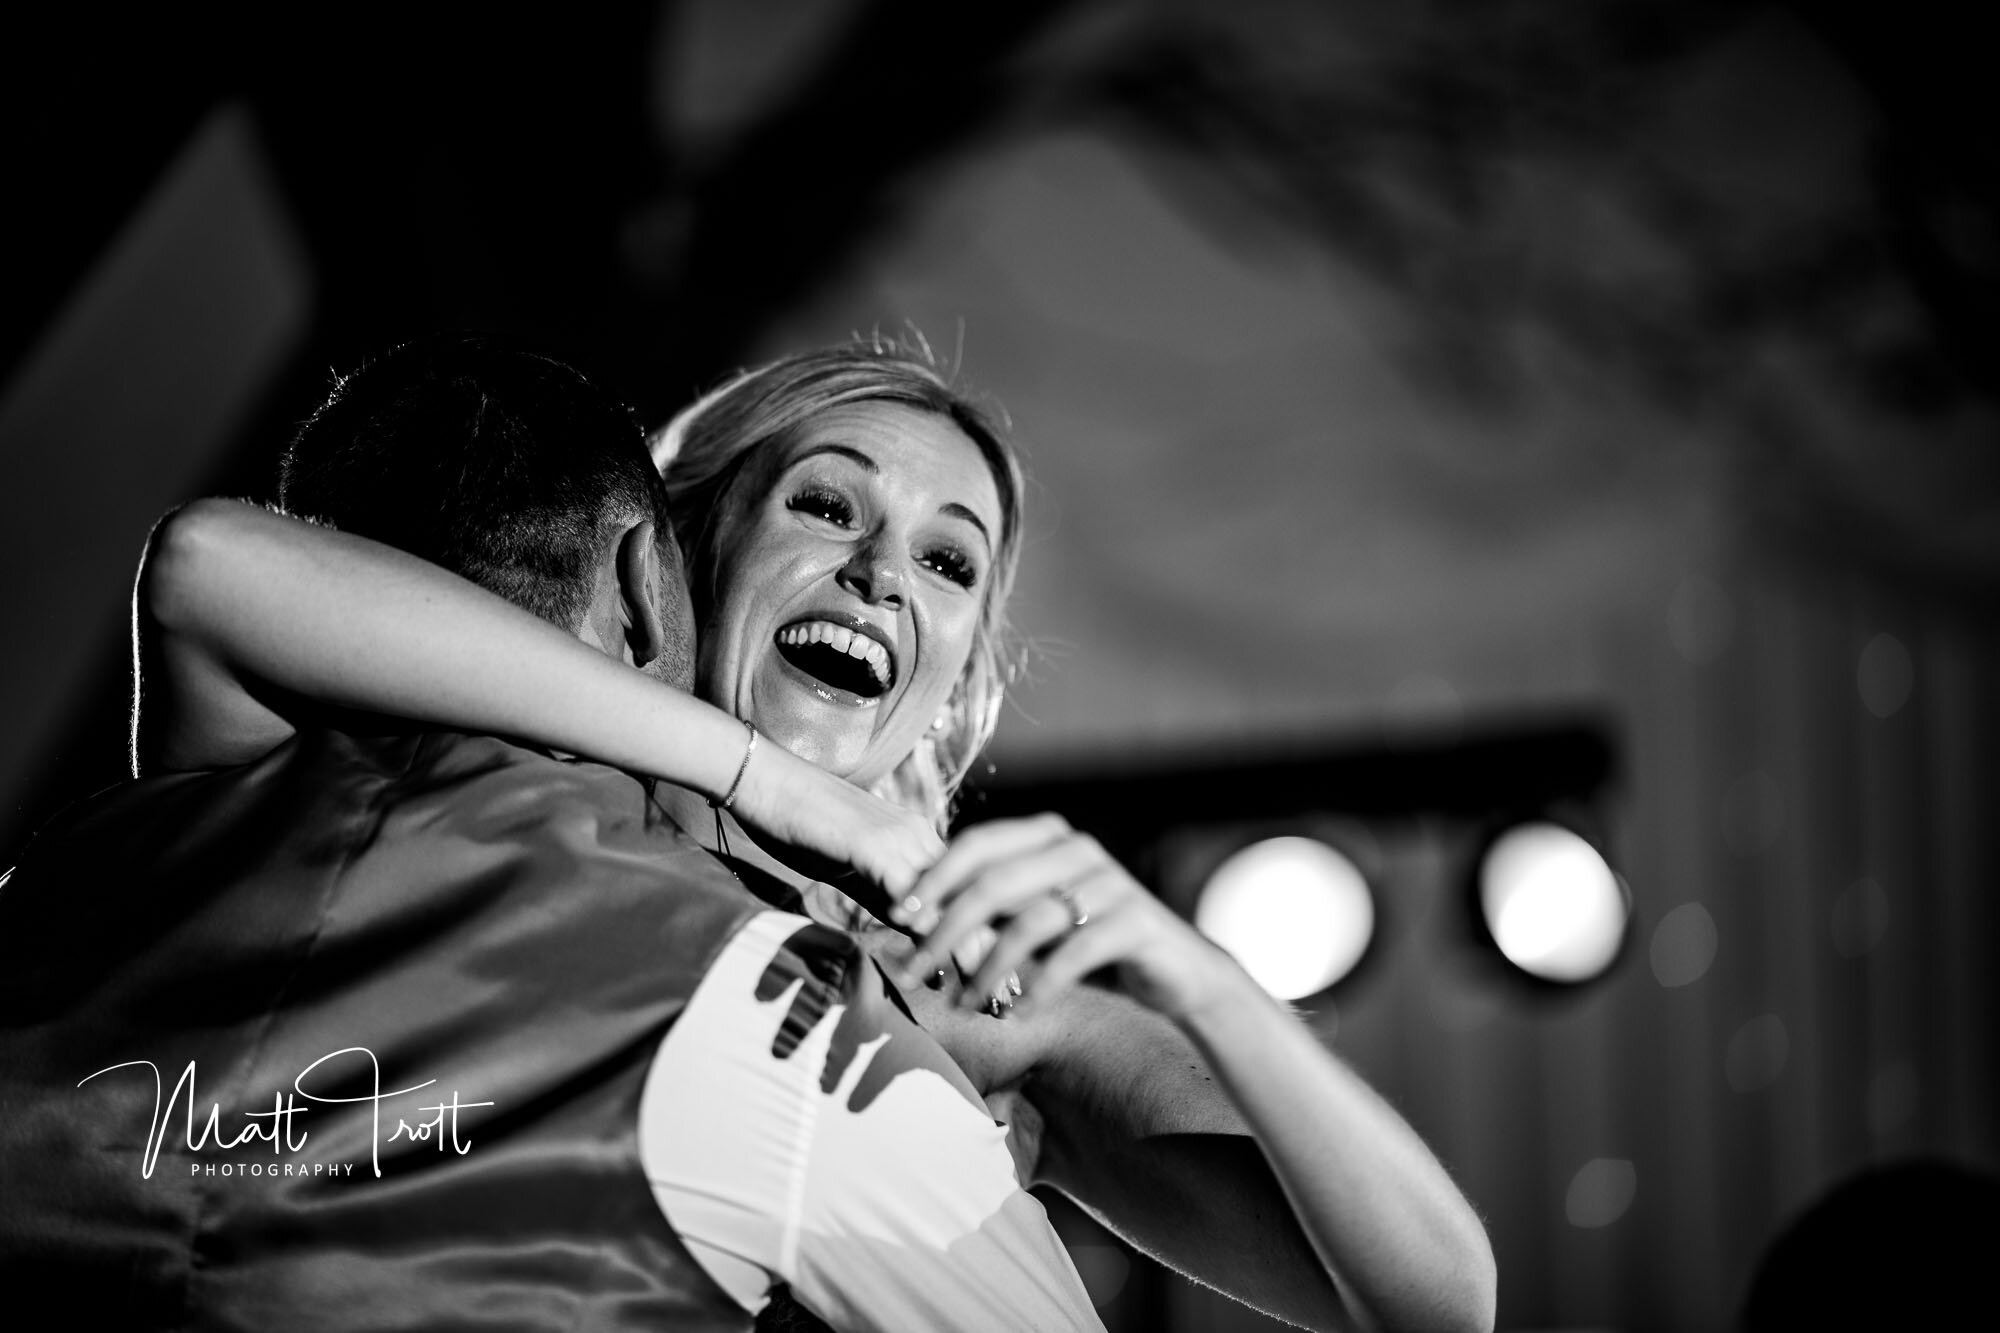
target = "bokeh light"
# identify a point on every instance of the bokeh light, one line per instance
(1297, 914)
(1757, 1054)
(1860, 918)
(1600, 1192)
(1885, 675)
(1684, 945)
(1552, 905)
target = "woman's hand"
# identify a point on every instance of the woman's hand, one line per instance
(1338, 1217)
(827, 825)
(1055, 896)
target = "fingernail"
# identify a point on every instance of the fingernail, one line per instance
(906, 909)
(1013, 984)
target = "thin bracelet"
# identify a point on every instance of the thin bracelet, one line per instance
(730, 797)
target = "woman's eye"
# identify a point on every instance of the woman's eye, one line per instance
(826, 505)
(954, 565)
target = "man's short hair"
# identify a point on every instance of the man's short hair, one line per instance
(497, 463)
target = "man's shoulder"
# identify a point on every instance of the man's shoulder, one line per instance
(366, 786)
(491, 790)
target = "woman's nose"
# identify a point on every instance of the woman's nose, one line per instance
(877, 575)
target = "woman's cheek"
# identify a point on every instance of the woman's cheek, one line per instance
(749, 571)
(956, 652)
(709, 685)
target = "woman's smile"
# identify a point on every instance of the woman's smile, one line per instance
(851, 658)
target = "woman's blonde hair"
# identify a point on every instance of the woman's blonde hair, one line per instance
(713, 441)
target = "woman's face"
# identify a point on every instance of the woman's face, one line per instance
(851, 573)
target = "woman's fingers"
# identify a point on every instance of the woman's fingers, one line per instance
(902, 855)
(1008, 886)
(889, 845)
(1110, 938)
(825, 826)
(1057, 900)
(1044, 922)
(980, 846)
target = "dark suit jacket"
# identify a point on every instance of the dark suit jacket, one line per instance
(350, 1038)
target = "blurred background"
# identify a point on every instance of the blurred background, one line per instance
(1441, 416)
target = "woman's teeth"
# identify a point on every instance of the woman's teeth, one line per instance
(841, 640)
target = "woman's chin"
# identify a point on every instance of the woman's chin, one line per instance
(814, 725)
(837, 755)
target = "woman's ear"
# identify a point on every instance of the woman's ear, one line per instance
(639, 575)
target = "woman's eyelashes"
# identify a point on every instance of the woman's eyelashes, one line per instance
(831, 507)
(826, 505)
(953, 564)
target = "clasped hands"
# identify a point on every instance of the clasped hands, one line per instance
(1058, 908)
(1030, 906)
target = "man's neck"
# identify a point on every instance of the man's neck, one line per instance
(689, 809)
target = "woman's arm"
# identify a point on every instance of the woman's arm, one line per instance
(240, 613)
(1213, 1131)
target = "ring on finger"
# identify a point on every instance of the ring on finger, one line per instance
(1077, 915)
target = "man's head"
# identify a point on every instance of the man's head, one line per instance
(514, 471)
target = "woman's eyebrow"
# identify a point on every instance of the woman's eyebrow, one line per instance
(951, 508)
(957, 510)
(844, 450)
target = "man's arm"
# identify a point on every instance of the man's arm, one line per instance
(1207, 1126)
(1118, 1109)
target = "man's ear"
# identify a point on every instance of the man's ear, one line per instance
(639, 592)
